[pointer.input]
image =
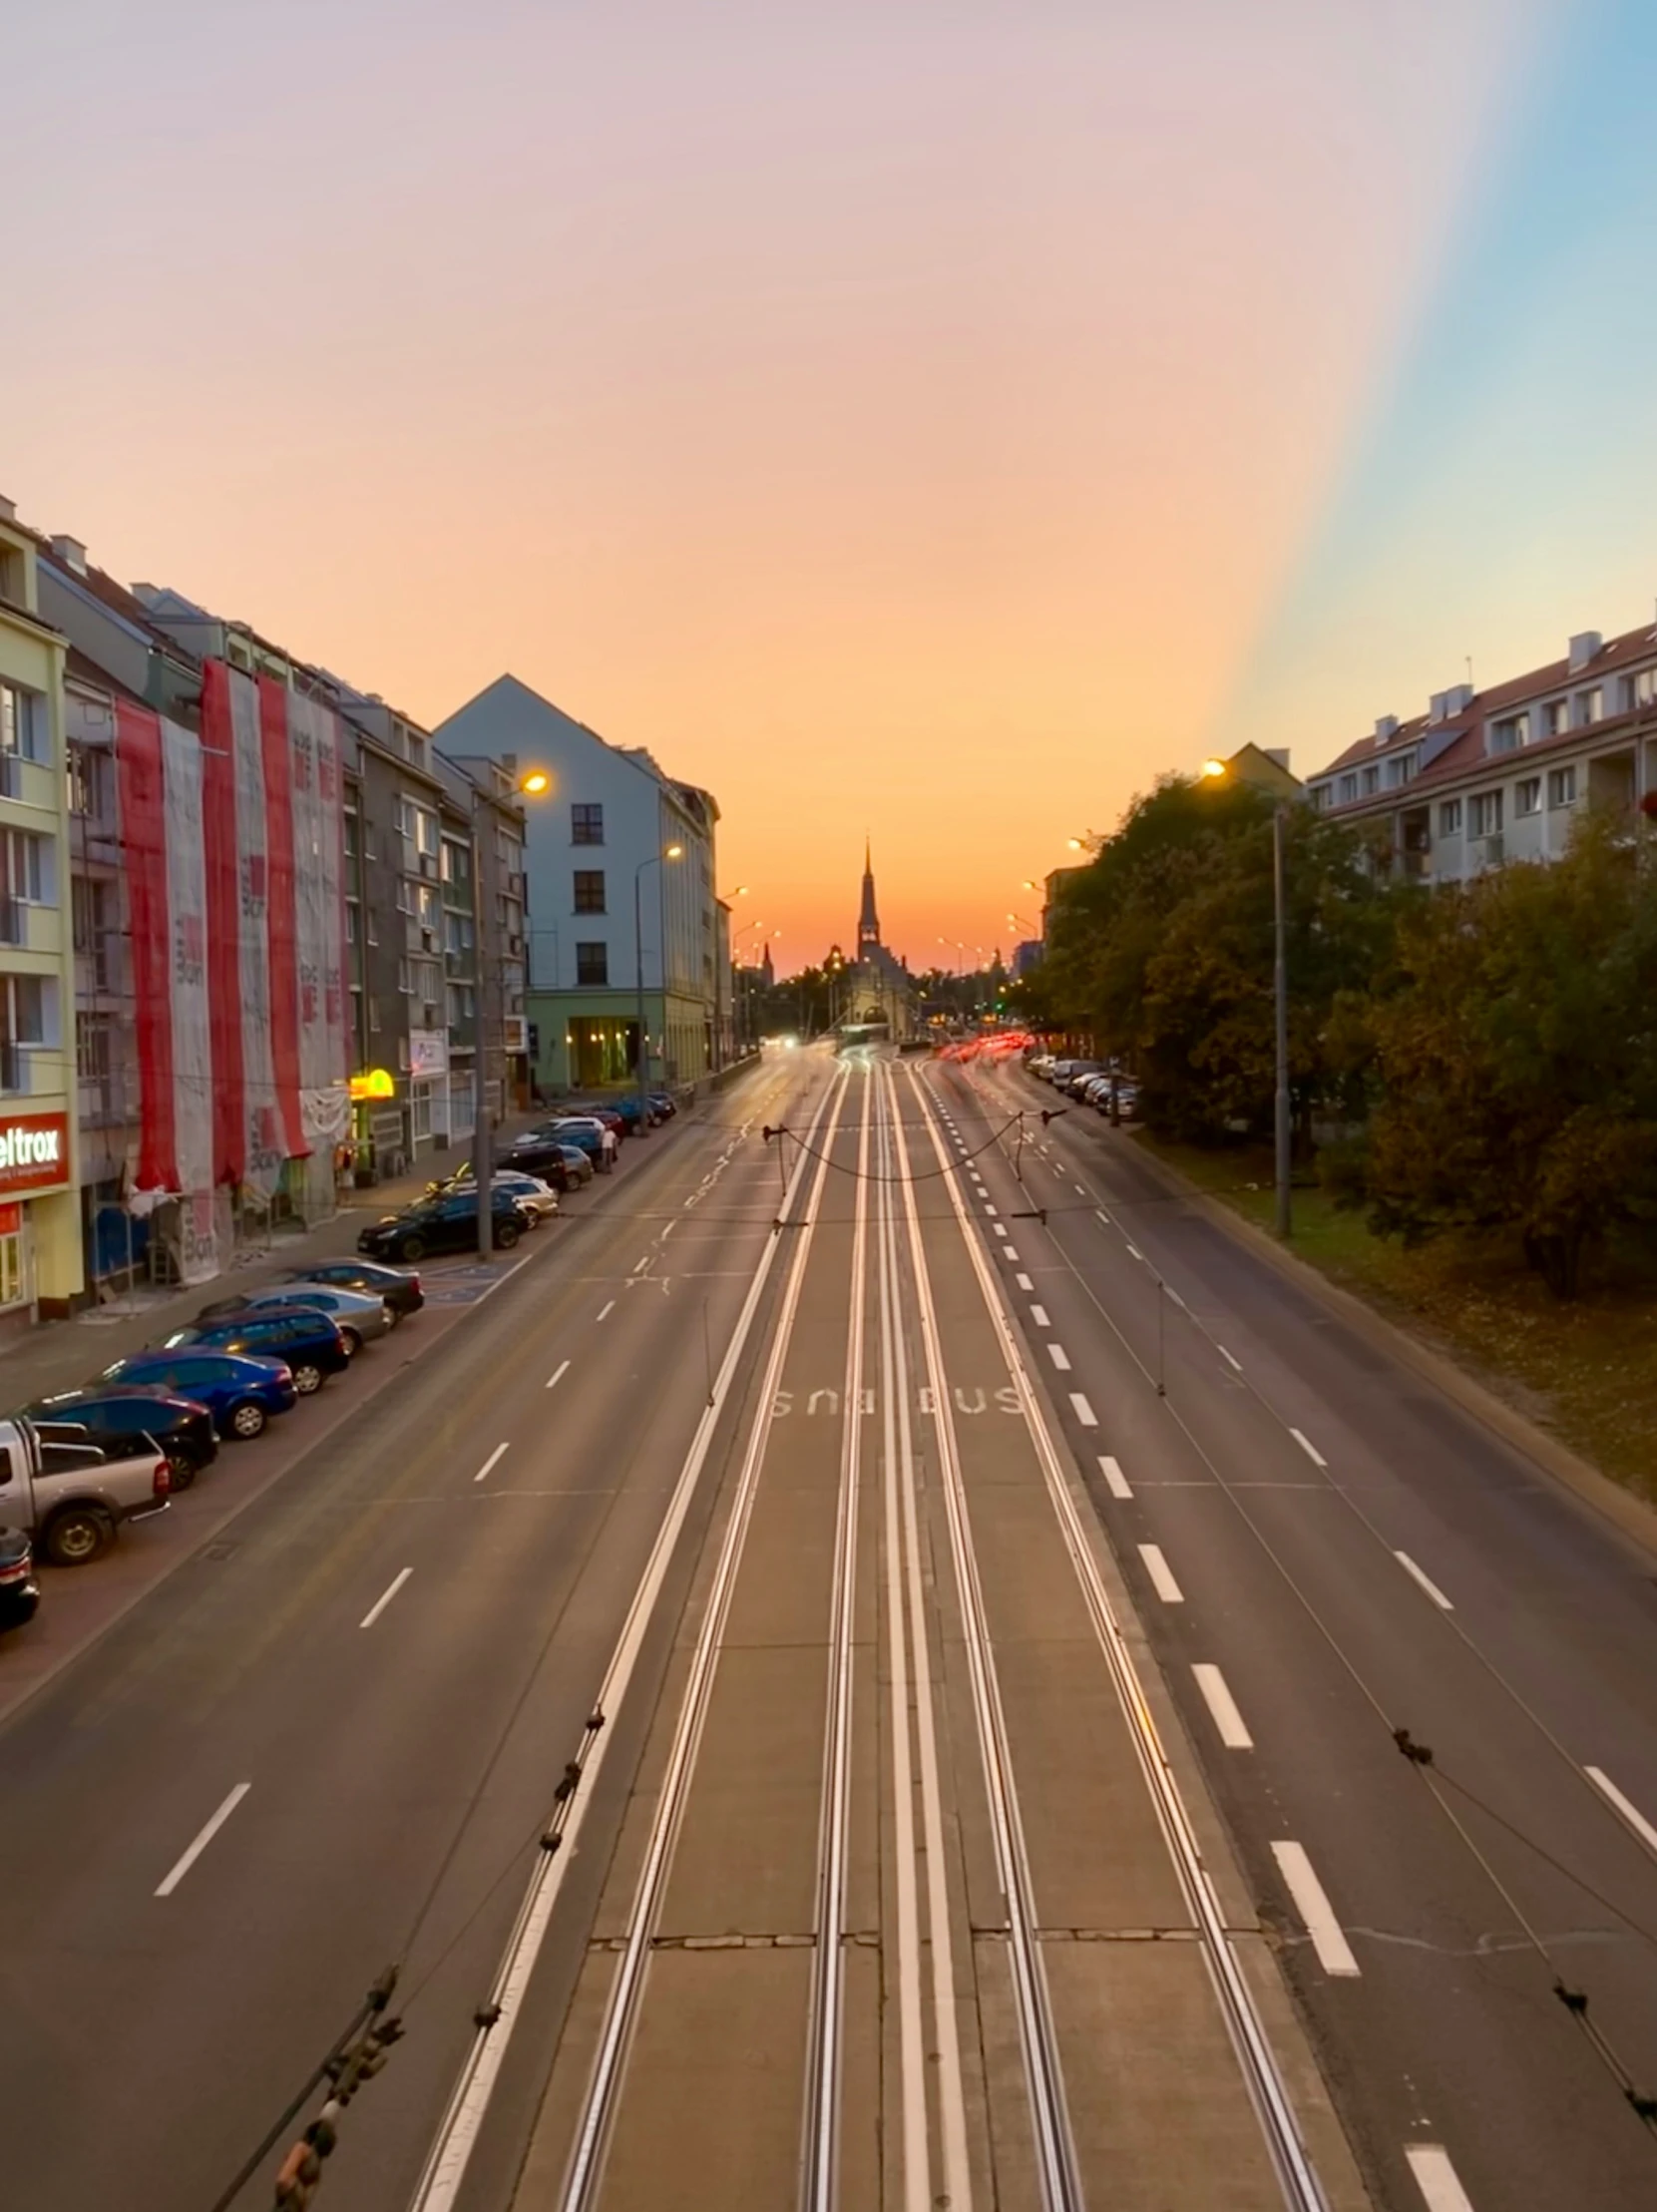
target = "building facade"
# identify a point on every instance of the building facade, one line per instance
(622, 900)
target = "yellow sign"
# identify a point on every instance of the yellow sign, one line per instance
(377, 1084)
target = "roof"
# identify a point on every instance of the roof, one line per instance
(78, 669)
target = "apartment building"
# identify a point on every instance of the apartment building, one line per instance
(40, 1267)
(1486, 777)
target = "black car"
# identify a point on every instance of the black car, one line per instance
(179, 1428)
(399, 1287)
(310, 1343)
(446, 1223)
(19, 1591)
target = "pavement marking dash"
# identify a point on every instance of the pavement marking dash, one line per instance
(1114, 1477)
(1175, 1299)
(1007, 1250)
(1078, 1190)
(1134, 1249)
(1102, 1216)
(1038, 1314)
(201, 1842)
(1630, 1813)
(1308, 1447)
(560, 1371)
(1311, 1903)
(1059, 1357)
(1220, 1702)
(1225, 1355)
(604, 1310)
(988, 1209)
(1437, 2178)
(1023, 1282)
(1425, 1580)
(1161, 1574)
(493, 1460)
(1083, 1411)
(380, 1604)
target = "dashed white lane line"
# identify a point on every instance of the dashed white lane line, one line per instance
(1175, 1299)
(1102, 1216)
(1220, 1702)
(604, 1311)
(380, 1604)
(1437, 2178)
(668, 1231)
(558, 1374)
(1002, 1229)
(988, 1209)
(1059, 1357)
(1231, 1356)
(493, 1460)
(183, 1865)
(1083, 1411)
(1161, 1574)
(1308, 1447)
(1630, 1813)
(1038, 1314)
(1313, 1906)
(1078, 1190)
(1134, 1249)
(1023, 1282)
(1425, 1580)
(1114, 1477)
(1007, 1250)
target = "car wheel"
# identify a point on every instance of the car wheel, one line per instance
(248, 1419)
(307, 1380)
(353, 1343)
(77, 1534)
(181, 1472)
(414, 1247)
(393, 1317)
(506, 1236)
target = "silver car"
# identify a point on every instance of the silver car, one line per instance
(360, 1317)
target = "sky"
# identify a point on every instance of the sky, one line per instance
(930, 420)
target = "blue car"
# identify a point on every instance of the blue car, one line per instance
(313, 1345)
(240, 1394)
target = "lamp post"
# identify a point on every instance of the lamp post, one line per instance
(656, 859)
(1282, 1126)
(534, 784)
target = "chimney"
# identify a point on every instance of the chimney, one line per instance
(71, 553)
(1279, 754)
(8, 508)
(1385, 725)
(1582, 649)
(1443, 704)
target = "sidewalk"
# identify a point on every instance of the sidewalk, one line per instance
(59, 1355)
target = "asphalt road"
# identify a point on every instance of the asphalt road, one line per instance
(1355, 1555)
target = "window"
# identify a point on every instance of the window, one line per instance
(405, 978)
(351, 838)
(1348, 789)
(590, 891)
(93, 1057)
(427, 905)
(25, 1008)
(1485, 814)
(1449, 818)
(25, 868)
(1561, 786)
(1528, 796)
(22, 722)
(592, 963)
(89, 783)
(586, 825)
(1372, 781)
(1590, 706)
(1510, 734)
(1320, 797)
(1556, 718)
(1401, 768)
(1642, 689)
(353, 922)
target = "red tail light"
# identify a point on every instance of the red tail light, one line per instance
(162, 1481)
(414, 1282)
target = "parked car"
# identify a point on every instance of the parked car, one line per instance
(240, 1392)
(19, 1591)
(536, 1150)
(358, 1315)
(667, 1106)
(571, 1169)
(613, 1116)
(534, 1192)
(442, 1224)
(109, 1415)
(399, 1287)
(312, 1344)
(73, 1495)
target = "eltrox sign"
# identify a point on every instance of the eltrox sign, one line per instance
(33, 1150)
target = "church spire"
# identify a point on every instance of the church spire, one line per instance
(867, 920)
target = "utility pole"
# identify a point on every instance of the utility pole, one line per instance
(1280, 981)
(483, 1133)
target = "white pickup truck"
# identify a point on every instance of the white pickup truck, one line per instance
(74, 1496)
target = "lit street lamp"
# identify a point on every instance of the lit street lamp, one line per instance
(535, 783)
(667, 852)
(1214, 771)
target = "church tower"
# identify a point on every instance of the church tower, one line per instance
(868, 921)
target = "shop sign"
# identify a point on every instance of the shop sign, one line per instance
(428, 1055)
(378, 1082)
(33, 1150)
(11, 1218)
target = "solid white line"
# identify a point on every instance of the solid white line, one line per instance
(1161, 1574)
(1425, 1580)
(1114, 1477)
(558, 1374)
(1038, 1314)
(1175, 1299)
(605, 1310)
(1311, 1903)
(1023, 1282)
(1308, 1447)
(1231, 1356)
(1437, 2178)
(1220, 1702)
(1059, 1357)
(203, 1839)
(1083, 1411)
(1630, 1813)
(494, 1458)
(380, 1604)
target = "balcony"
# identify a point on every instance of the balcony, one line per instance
(1486, 852)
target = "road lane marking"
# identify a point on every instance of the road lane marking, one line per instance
(1101, 1215)
(988, 1209)
(1220, 1702)
(1630, 1813)
(1023, 1282)
(1437, 2178)
(1308, 1447)
(1134, 1249)
(1114, 1477)
(1161, 1574)
(493, 1459)
(380, 1604)
(668, 1231)
(604, 1311)
(203, 1839)
(1313, 1906)
(1002, 1229)
(1038, 1314)
(1059, 1357)
(1175, 1299)
(1080, 1192)
(1007, 1250)
(1225, 1355)
(1425, 1580)
(558, 1374)
(1083, 1411)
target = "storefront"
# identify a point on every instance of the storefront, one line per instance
(40, 1228)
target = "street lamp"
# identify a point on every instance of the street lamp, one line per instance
(667, 852)
(534, 783)
(1214, 771)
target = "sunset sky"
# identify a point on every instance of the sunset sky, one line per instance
(933, 417)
